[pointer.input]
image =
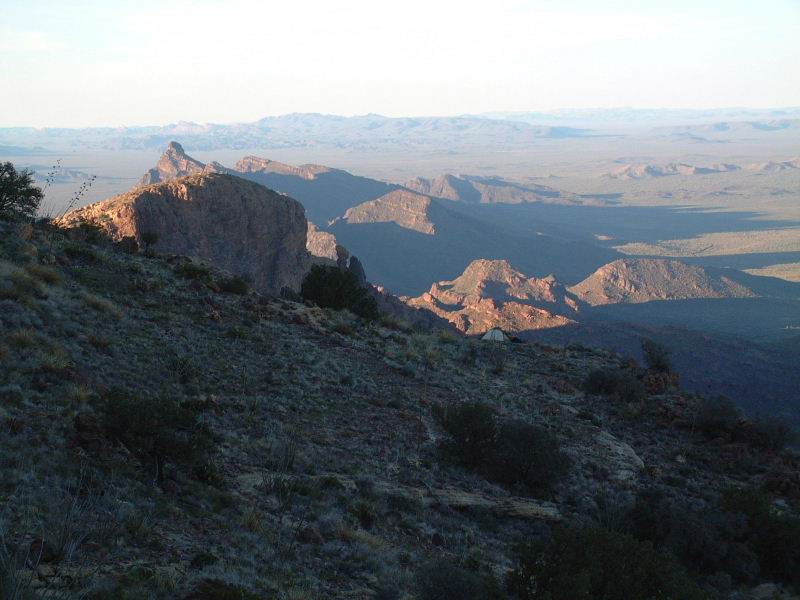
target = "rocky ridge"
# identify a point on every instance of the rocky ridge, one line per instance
(238, 225)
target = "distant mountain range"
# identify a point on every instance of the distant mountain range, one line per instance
(601, 117)
(297, 130)
(376, 132)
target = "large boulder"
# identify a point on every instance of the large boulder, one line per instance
(238, 225)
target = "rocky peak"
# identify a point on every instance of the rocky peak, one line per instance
(238, 225)
(173, 163)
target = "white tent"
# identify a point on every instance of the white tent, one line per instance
(496, 335)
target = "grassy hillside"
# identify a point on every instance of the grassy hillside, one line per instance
(165, 433)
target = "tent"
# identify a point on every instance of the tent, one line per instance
(496, 335)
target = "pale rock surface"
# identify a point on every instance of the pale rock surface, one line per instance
(491, 293)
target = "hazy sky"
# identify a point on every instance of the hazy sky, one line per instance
(124, 62)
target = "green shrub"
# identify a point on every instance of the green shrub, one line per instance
(770, 432)
(623, 385)
(774, 538)
(472, 428)
(192, 270)
(598, 564)
(705, 539)
(156, 430)
(331, 287)
(525, 456)
(443, 580)
(236, 284)
(149, 239)
(18, 196)
(80, 251)
(512, 453)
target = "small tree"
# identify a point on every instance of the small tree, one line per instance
(331, 287)
(656, 356)
(18, 195)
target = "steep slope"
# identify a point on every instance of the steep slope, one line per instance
(165, 439)
(237, 224)
(490, 293)
(637, 280)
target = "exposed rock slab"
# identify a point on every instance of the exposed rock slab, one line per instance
(491, 293)
(237, 224)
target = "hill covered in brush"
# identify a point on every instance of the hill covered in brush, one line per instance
(168, 434)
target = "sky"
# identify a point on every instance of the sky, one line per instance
(121, 63)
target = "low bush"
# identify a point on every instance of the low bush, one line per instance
(525, 456)
(770, 432)
(156, 430)
(236, 284)
(191, 270)
(599, 564)
(623, 385)
(331, 287)
(718, 417)
(656, 356)
(513, 453)
(443, 580)
(774, 538)
(472, 428)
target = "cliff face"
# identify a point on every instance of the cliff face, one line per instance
(321, 243)
(407, 209)
(238, 225)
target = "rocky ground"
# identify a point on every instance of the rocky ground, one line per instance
(167, 433)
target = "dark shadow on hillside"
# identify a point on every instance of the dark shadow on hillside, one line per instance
(758, 319)
(621, 223)
(407, 261)
(759, 378)
(328, 195)
(743, 261)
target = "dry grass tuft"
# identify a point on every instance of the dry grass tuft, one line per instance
(102, 305)
(23, 338)
(45, 274)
